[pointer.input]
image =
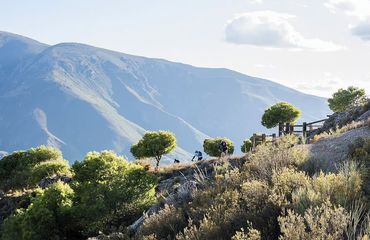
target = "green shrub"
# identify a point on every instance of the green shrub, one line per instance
(49, 169)
(247, 146)
(109, 191)
(347, 99)
(212, 146)
(48, 217)
(282, 112)
(24, 169)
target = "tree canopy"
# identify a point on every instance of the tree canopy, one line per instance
(281, 112)
(346, 99)
(24, 169)
(154, 145)
(108, 189)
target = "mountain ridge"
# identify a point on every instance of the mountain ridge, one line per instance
(94, 99)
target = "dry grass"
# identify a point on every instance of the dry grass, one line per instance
(339, 131)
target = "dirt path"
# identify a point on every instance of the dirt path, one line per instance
(333, 150)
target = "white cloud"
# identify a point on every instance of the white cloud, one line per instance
(362, 30)
(359, 9)
(256, 1)
(329, 83)
(356, 8)
(272, 30)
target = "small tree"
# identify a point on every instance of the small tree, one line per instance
(110, 191)
(247, 146)
(154, 145)
(281, 112)
(212, 146)
(24, 169)
(347, 99)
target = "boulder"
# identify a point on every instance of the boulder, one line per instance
(46, 182)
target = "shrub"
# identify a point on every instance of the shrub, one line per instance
(282, 112)
(212, 146)
(347, 99)
(49, 169)
(285, 182)
(247, 146)
(110, 191)
(166, 223)
(252, 234)
(154, 145)
(322, 222)
(342, 188)
(270, 158)
(24, 169)
(48, 217)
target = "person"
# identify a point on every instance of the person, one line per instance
(197, 154)
(223, 148)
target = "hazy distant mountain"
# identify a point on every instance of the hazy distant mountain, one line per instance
(81, 98)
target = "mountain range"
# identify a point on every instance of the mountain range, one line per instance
(80, 98)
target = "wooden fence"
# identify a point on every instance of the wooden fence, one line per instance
(303, 129)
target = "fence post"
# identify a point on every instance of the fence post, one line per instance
(281, 129)
(287, 128)
(263, 138)
(254, 140)
(304, 129)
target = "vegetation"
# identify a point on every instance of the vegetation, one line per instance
(48, 217)
(154, 145)
(269, 197)
(212, 146)
(247, 146)
(107, 193)
(347, 99)
(272, 193)
(24, 169)
(282, 112)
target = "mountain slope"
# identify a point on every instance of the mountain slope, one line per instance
(81, 98)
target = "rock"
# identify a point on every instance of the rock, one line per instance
(365, 116)
(46, 182)
(184, 193)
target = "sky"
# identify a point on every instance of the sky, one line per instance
(315, 46)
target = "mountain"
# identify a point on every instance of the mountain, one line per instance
(80, 98)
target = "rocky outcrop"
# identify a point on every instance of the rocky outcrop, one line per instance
(46, 182)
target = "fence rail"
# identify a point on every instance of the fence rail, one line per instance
(303, 129)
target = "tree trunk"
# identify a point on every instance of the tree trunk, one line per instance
(158, 159)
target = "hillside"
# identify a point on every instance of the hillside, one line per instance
(80, 98)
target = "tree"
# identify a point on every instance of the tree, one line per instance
(154, 145)
(347, 99)
(281, 112)
(110, 191)
(247, 146)
(212, 146)
(24, 169)
(48, 217)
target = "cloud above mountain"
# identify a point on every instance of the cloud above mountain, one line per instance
(360, 9)
(272, 30)
(356, 8)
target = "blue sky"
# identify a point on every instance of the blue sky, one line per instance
(314, 46)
